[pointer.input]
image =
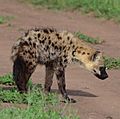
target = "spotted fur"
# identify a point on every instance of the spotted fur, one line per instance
(54, 49)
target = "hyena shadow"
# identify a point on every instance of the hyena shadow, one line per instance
(70, 92)
(77, 93)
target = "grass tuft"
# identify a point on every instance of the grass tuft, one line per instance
(109, 9)
(88, 38)
(112, 63)
(6, 79)
(4, 19)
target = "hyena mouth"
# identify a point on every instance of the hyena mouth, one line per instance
(103, 74)
(102, 77)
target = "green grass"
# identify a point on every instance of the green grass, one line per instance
(4, 19)
(112, 63)
(109, 9)
(38, 104)
(6, 79)
(34, 112)
(33, 95)
(88, 38)
(12, 96)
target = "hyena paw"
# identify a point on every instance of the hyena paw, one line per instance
(69, 100)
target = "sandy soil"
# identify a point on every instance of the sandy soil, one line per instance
(96, 99)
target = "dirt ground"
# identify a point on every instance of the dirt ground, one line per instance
(96, 99)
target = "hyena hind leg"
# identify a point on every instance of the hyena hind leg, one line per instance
(21, 74)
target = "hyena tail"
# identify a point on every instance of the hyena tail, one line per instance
(20, 74)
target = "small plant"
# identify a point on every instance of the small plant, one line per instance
(12, 96)
(33, 95)
(4, 19)
(112, 63)
(88, 39)
(6, 79)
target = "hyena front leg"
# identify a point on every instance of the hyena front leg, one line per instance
(49, 76)
(60, 74)
(22, 71)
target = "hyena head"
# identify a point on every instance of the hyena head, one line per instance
(93, 61)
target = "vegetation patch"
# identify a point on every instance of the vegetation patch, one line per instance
(112, 63)
(6, 79)
(38, 104)
(109, 9)
(88, 38)
(4, 19)
(39, 110)
(12, 96)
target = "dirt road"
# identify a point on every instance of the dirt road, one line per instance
(96, 99)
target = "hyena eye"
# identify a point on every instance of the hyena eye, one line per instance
(95, 56)
(94, 70)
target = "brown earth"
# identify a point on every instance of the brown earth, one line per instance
(96, 99)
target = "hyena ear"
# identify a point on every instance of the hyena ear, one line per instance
(96, 56)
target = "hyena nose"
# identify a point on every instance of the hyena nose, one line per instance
(104, 76)
(103, 73)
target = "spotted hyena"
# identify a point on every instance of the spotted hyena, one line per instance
(55, 50)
